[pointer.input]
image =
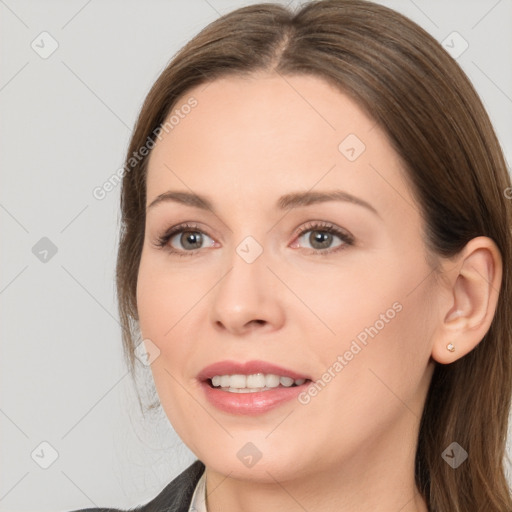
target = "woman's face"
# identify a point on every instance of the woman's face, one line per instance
(271, 273)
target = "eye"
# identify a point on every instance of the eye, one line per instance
(189, 240)
(321, 236)
(318, 236)
(184, 239)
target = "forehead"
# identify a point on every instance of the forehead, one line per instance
(262, 135)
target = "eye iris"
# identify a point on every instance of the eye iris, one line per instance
(191, 239)
(321, 237)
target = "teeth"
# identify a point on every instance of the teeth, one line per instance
(237, 381)
(286, 381)
(256, 382)
(272, 381)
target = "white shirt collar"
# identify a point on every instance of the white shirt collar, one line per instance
(198, 502)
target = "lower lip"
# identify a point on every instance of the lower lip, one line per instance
(254, 403)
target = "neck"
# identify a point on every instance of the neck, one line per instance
(376, 478)
(311, 495)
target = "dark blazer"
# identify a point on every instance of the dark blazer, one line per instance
(175, 497)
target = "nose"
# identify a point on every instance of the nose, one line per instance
(248, 297)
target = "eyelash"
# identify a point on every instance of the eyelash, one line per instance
(162, 241)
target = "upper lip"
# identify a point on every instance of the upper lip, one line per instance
(246, 368)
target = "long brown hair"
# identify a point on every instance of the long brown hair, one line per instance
(401, 77)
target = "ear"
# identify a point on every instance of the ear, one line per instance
(473, 285)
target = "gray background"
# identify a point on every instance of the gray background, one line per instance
(65, 123)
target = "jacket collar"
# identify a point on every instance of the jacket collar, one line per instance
(177, 495)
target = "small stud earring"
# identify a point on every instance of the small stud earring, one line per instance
(450, 347)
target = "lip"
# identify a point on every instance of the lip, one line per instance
(254, 403)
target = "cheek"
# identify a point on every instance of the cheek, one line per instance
(347, 301)
(375, 365)
(377, 321)
(163, 296)
(168, 303)
(163, 300)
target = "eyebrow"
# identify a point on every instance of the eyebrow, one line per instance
(293, 200)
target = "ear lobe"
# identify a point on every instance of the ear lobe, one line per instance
(474, 285)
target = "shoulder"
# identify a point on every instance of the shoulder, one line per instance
(175, 497)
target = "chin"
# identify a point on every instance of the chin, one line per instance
(258, 461)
